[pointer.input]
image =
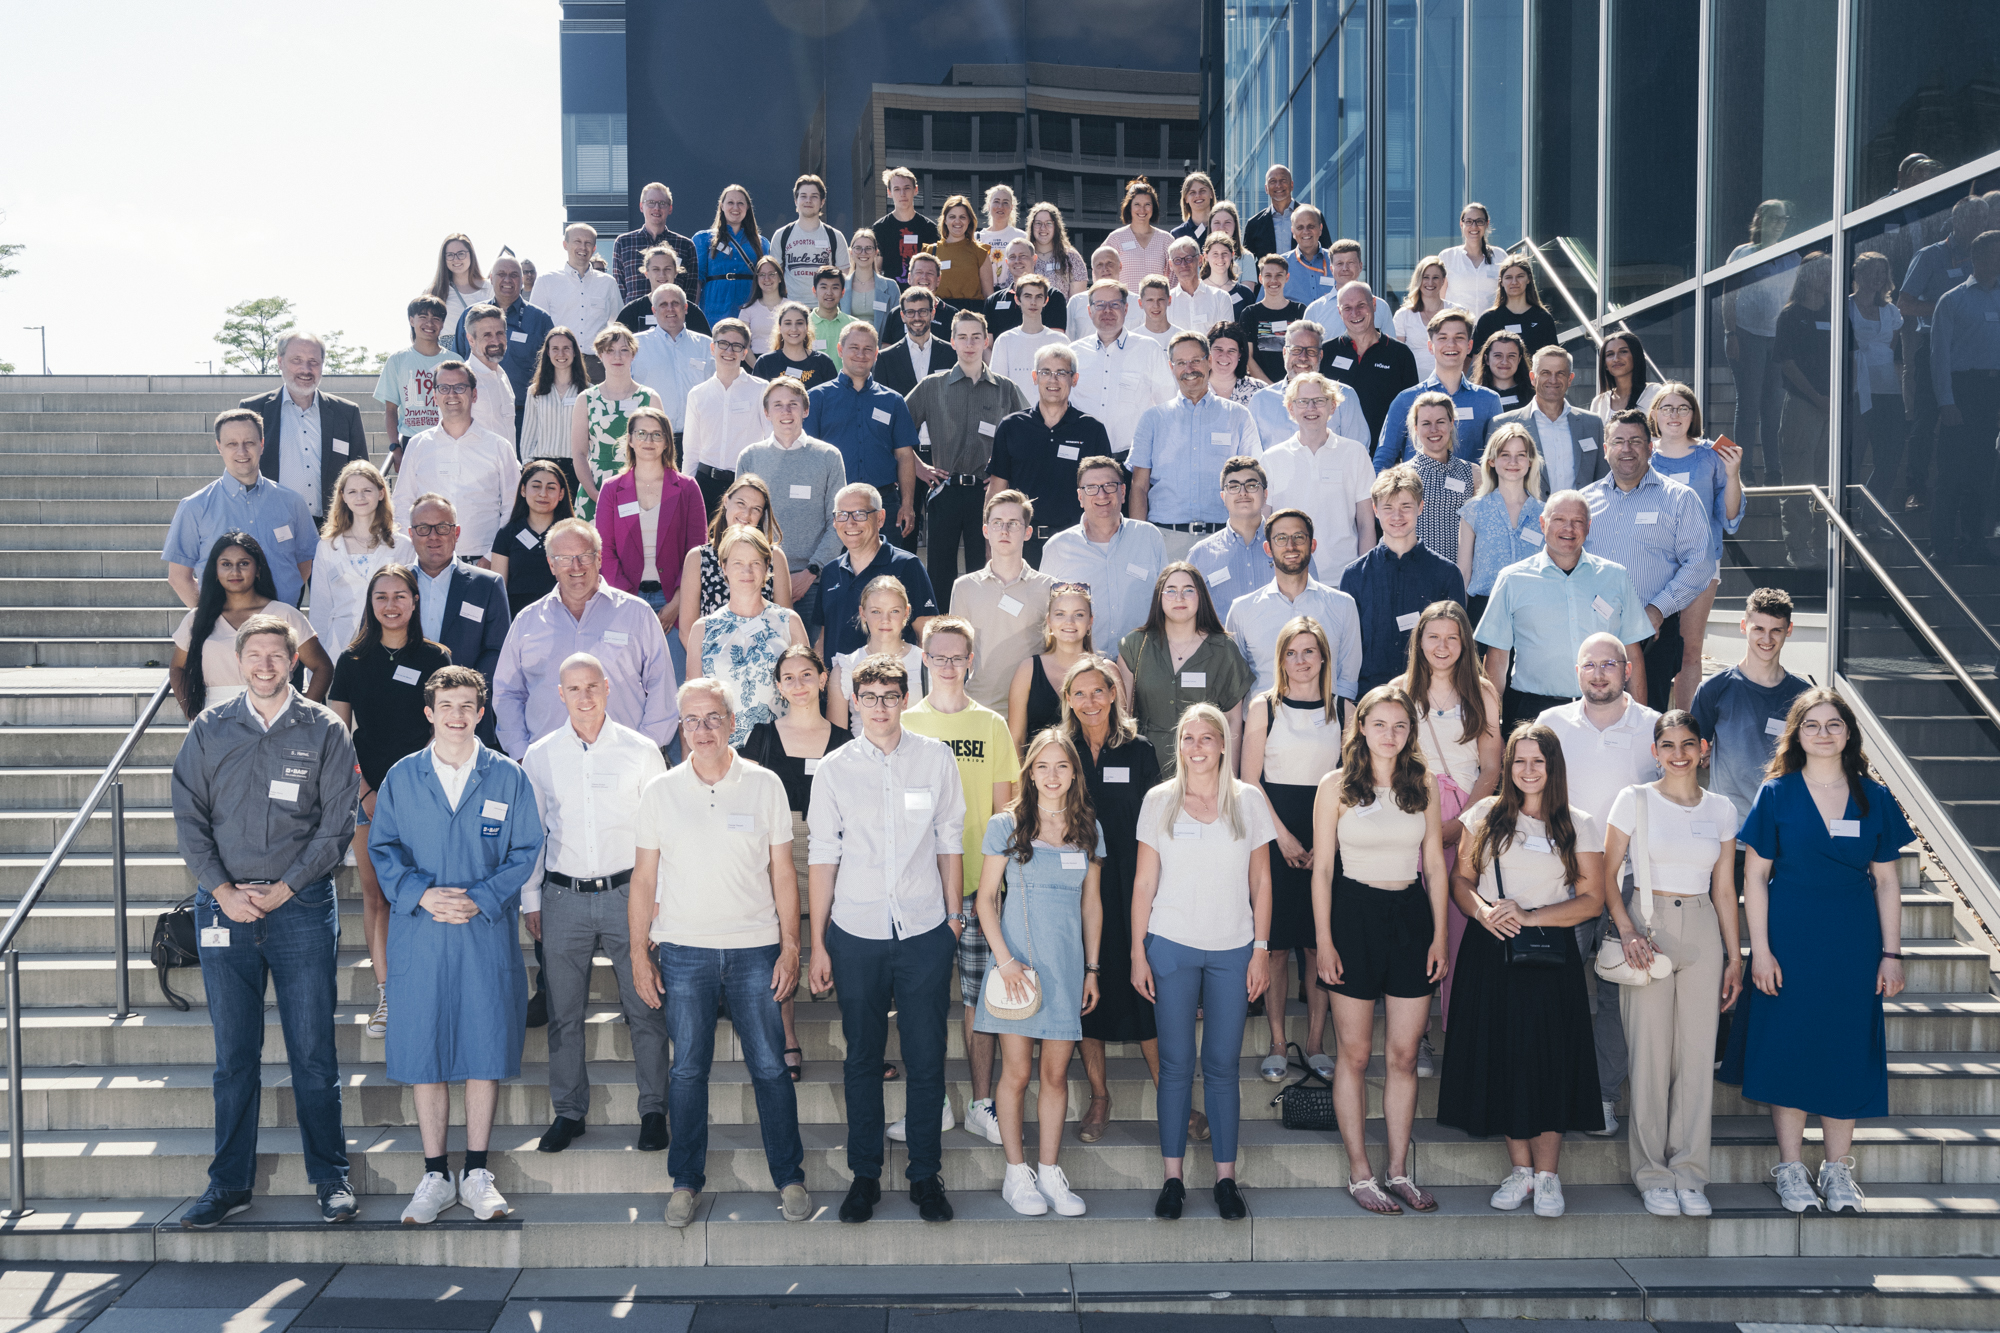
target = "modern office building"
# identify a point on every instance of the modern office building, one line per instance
(596, 184)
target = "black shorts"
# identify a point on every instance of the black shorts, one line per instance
(1383, 937)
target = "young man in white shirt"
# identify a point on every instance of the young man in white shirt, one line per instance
(581, 298)
(1155, 294)
(1014, 350)
(725, 414)
(486, 334)
(807, 244)
(1325, 474)
(470, 465)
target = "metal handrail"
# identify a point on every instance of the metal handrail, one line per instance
(1555, 281)
(107, 784)
(1929, 568)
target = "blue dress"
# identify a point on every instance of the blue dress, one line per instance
(459, 992)
(1043, 908)
(1495, 542)
(1819, 1044)
(1702, 472)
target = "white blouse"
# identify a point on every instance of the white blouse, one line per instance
(1682, 844)
(222, 676)
(1411, 332)
(1467, 285)
(456, 303)
(340, 578)
(1535, 875)
(1203, 899)
(1600, 406)
(1438, 741)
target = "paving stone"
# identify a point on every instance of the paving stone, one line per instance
(593, 1316)
(63, 1291)
(193, 1319)
(238, 1286)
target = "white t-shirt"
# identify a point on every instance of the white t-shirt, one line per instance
(714, 887)
(805, 253)
(1203, 901)
(1534, 871)
(1682, 845)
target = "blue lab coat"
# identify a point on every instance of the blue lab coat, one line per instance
(458, 996)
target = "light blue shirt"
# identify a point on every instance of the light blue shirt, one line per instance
(1658, 530)
(1307, 282)
(298, 439)
(1474, 404)
(277, 516)
(1542, 616)
(672, 366)
(1496, 543)
(1121, 574)
(1232, 566)
(1185, 445)
(1965, 335)
(432, 594)
(621, 631)
(1254, 621)
(1275, 424)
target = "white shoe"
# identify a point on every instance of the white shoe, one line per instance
(1273, 1068)
(475, 1191)
(980, 1120)
(899, 1129)
(1017, 1187)
(1610, 1122)
(1795, 1187)
(1054, 1186)
(378, 1025)
(1837, 1187)
(1514, 1190)
(1694, 1203)
(1548, 1195)
(1661, 1201)
(434, 1195)
(1426, 1058)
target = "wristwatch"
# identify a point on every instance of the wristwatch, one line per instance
(958, 917)
(1265, 945)
(812, 569)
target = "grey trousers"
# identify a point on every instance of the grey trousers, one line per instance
(575, 928)
(1607, 1026)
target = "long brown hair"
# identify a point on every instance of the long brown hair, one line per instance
(768, 525)
(1790, 756)
(441, 283)
(1497, 831)
(544, 380)
(1357, 766)
(1205, 618)
(1467, 677)
(1079, 818)
(368, 633)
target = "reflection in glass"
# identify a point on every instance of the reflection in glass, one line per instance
(1441, 121)
(1494, 131)
(1749, 307)
(1771, 127)
(1563, 133)
(1926, 88)
(1875, 426)
(1665, 336)
(1654, 55)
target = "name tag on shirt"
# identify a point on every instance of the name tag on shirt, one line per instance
(1602, 607)
(881, 305)
(1343, 362)
(342, 447)
(1220, 576)
(1702, 829)
(653, 320)
(1774, 726)
(802, 492)
(909, 238)
(819, 344)
(881, 414)
(471, 612)
(282, 532)
(1010, 606)
(1462, 413)
(517, 337)
(1280, 325)
(1221, 439)
(1117, 775)
(1454, 484)
(1326, 282)
(628, 509)
(1075, 861)
(1194, 680)
(1068, 451)
(1542, 845)
(616, 638)
(527, 538)
(215, 937)
(1128, 245)
(1409, 621)
(1135, 571)
(1003, 305)
(1532, 536)
(1650, 516)
(1587, 446)
(1617, 740)
(404, 675)
(944, 263)
(493, 810)
(284, 791)
(1513, 328)
(986, 428)
(1186, 828)
(916, 800)
(1839, 828)
(742, 823)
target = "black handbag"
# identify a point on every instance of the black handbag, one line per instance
(1306, 1106)
(175, 944)
(1535, 946)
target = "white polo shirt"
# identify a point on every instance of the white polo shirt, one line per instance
(722, 421)
(1601, 764)
(714, 886)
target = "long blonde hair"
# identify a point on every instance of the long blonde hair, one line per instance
(1489, 471)
(1228, 798)
(339, 518)
(1069, 590)
(1294, 627)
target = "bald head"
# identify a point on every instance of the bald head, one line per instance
(585, 689)
(1602, 666)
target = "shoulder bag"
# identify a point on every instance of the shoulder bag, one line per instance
(998, 1002)
(1535, 946)
(1308, 1103)
(1610, 963)
(175, 944)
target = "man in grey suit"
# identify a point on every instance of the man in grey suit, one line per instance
(1571, 442)
(309, 436)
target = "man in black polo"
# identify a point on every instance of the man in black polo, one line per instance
(1375, 367)
(1037, 451)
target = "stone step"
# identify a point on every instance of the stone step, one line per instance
(89, 535)
(75, 698)
(143, 416)
(92, 591)
(115, 622)
(56, 441)
(226, 389)
(102, 653)
(86, 512)
(82, 564)
(65, 788)
(55, 462)
(147, 831)
(121, 483)
(23, 747)
(157, 401)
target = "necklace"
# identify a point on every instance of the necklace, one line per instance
(1841, 783)
(1049, 809)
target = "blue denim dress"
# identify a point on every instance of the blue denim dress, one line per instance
(1042, 921)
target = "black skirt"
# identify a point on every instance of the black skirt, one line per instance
(1521, 1061)
(1122, 1013)
(1292, 925)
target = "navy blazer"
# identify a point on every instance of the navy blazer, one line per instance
(477, 642)
(339, 419)
(894, 370)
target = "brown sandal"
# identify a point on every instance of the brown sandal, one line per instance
(1413, 1194)
(1091, 1128)
(1371, 1196)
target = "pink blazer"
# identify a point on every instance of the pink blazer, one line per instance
(683, 526)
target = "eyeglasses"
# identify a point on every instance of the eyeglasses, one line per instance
(1290, 539)
(457, 254)
(1673, 410)
(1242, 487)
(583, 561)
(730, 346)
(1054, 373)
(1315, 402)
(878, 700)
(1594, 667)
(1178, 592)
(955, 663)
(854, 515)
(1101, 487)
(1310, 348)
(451, 390)
(1006, 525)
(1834, 728)
(657, 437)
(1185, 261)
(1107, 305)
(707, 722)
(433, 529)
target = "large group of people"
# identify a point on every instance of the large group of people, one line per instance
(1262, 646)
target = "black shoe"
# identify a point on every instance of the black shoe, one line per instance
(538, 1009)
(337, 1203)
(561, 1132)
(862, 1196)
(213, 1206)
(1168, 1205)
(1229, 1201)
(928, 1195)
(653, 1131)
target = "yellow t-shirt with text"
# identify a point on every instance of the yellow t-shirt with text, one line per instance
(984, 747)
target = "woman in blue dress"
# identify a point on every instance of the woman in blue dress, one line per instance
(1050, 851)
(1820, 889)
(1714, 470)
(726, 255)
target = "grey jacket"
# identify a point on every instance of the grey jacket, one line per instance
(1589, 463)
(251, 804)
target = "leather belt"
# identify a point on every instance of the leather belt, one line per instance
(1192, 527)
(704, 470)
(965, 479)
(602, 884)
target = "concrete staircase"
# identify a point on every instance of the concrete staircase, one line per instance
(118, 1113)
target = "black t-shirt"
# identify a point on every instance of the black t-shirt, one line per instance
(892, 239)
(812, 372)
(1264, 330)
(1376, 376)
(638, 316)
(385, 689)
(1537, 328)
(529, 578)
(1805, 339)
(1041, 463)
(764, 747)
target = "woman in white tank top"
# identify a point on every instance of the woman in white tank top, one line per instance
(1381, 933)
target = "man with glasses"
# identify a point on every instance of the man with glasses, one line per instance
(671, 357)
(987, 771)
(724, 415)
(460, 605)
(313, 434)
(906, 361)
(1234, 560)
(1192, 303)
(804, 475)
(1005, 603)
(1474, 405)
(629, 251)
(1303, 340)
(714, 916)
(583, 615)
(858, 516)
(1105, 262)
(887, 879)
(869, 423)
(1374, 367)
(961, 408)
(1118, 374)
(1179, 445)
(467, 464)
(1036, 451)
(1255, 619)
(1118, 558)
(1326, 474)
(1570, 441)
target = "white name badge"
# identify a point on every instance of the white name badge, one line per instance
(1343, 362)
(342, 447)
(517, 337)
(527, 538)
(944, 263)
(1602, 607)
(1650, 516)
(1327, 282)
(471, 612)
(819, 344)
(1075, 861)
(802, 492)
(1135, 571)
(404, 675)
(1702, 829)
(284, 791)
(1219, 577)
(909, 238)
(1194, 680)
(1774, 726)
(1409, 621)
(1587, 446)
(1221, 439)
(1128, 245)
(1532, 536)
(742, 823)
(987, 428)
(653, 320)
(1068, 451)
(1844, 828)
(1462, 413)
(812, 767)
(628, 509)
(1187, 828)
(1280, 325)
(282, 532)
(1454, 484)
(616, 638)
(881, 305)
(1117, 775)
(493, 810)
(1003, 305)
(1617, 740)
(916, 800)
(881, 414)
(215, 937)
(1538, 845)
(1010, 606)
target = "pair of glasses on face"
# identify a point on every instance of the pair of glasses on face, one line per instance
(452, 390)
(583, 561)
(957, 663)
(1242, 488)
(730, 345)
(854, 515)
(707, 722)
(1006, 525)
(433, 529)
(1096, 488)
(879, 700)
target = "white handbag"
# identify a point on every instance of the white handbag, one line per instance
(994, 992)
(1611, 964)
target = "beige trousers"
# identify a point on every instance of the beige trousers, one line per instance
(1670, 1030)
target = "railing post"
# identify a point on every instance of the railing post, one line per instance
(120, 944)
(17, 1139)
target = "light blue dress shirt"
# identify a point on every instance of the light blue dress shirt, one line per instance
(432, 594)
(1658, 530)
(1232, 566)
(1542, 616)
(1275, 424)
(671, 367)
(1185, 445)
(1121, 574)
(1255, 619)
(277, 516)
(617, 628)
(298, 439)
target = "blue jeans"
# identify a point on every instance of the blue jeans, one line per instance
(677, 651)
(915, 975)
(1215, 983)
(695, 979)
(807, 607)
(294, 948)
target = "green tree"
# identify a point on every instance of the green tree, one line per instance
(7, 252)
(344, 360)
(251, 334)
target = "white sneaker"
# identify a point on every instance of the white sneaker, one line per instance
(1795, 1188)
(1054, 1186)
(899, 1129)
(1017, 1187)
(1610, 1122)
(379, 1024)
(981, 1120)
(475, 1191)
(1661, 1201)
(1548, 1195)
(1837, 1187)
(1514, 1190)
(1694, 1203)
(1426, 1057)
(434, 1195)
